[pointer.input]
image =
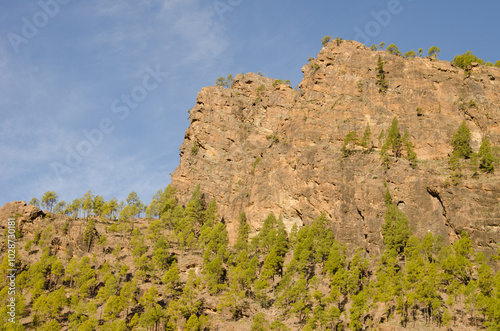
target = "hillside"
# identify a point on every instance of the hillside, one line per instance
(366, 199)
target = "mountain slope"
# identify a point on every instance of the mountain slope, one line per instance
(262, 147)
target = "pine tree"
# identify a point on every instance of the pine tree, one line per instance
(410, 151)
(393, 49)
(395, 229)
(461, 142)
(89, 233)
(243, 232)
(366, 141)
(394, 140)
(49, 199)
(486, 157)
(350, 142)
(381, 82)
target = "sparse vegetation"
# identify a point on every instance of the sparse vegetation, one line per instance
(350, 142)
(255, 163)
(225, 82)
(325, 40)
(381, 81)
(393, 49)
(396, 143)
(434, 52)
(410, 54)
(465, 60)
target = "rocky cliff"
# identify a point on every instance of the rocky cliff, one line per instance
(261, 146)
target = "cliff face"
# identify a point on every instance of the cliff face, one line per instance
(264, 147)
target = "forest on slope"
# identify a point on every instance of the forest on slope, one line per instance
(175, 270)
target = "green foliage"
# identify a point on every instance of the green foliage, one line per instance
(461, 142)
(227, 82)
(381, 81)
(255, 163)
(34, 202)
(434, 52)
(324, 286)
(325, 40)
(193, 324)
(243, 233)
(395, 229)
(410, 54)
(366, 140)
(259, 323)
(465, 60)
(60, 207)
(409, 148)
(49, 199)
(394, 140)
(486, 158)
(350, 142)
(89, 233)
(277, 81)
(274, 138)
(393, 49)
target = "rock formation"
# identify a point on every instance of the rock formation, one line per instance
(261, 146)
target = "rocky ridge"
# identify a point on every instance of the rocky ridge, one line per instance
(261, 146)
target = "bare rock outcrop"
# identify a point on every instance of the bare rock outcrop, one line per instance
(264, 147)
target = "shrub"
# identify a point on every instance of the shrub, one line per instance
(195, 148)
(325, 40)
(259, 89)
(461, 142)
(465, 60)
(277, 81)
(255, 163)
(225, 82)
(349, 143)
(411, 54)
(274, 138)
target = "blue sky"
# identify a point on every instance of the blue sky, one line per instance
(94, 94)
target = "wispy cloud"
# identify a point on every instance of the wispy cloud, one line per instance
(50, 94)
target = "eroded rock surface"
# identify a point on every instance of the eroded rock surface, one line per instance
(264, 147)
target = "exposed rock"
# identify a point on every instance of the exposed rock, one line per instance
(19, 210)
(265, 147)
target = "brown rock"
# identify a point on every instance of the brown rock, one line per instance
(265, 148)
